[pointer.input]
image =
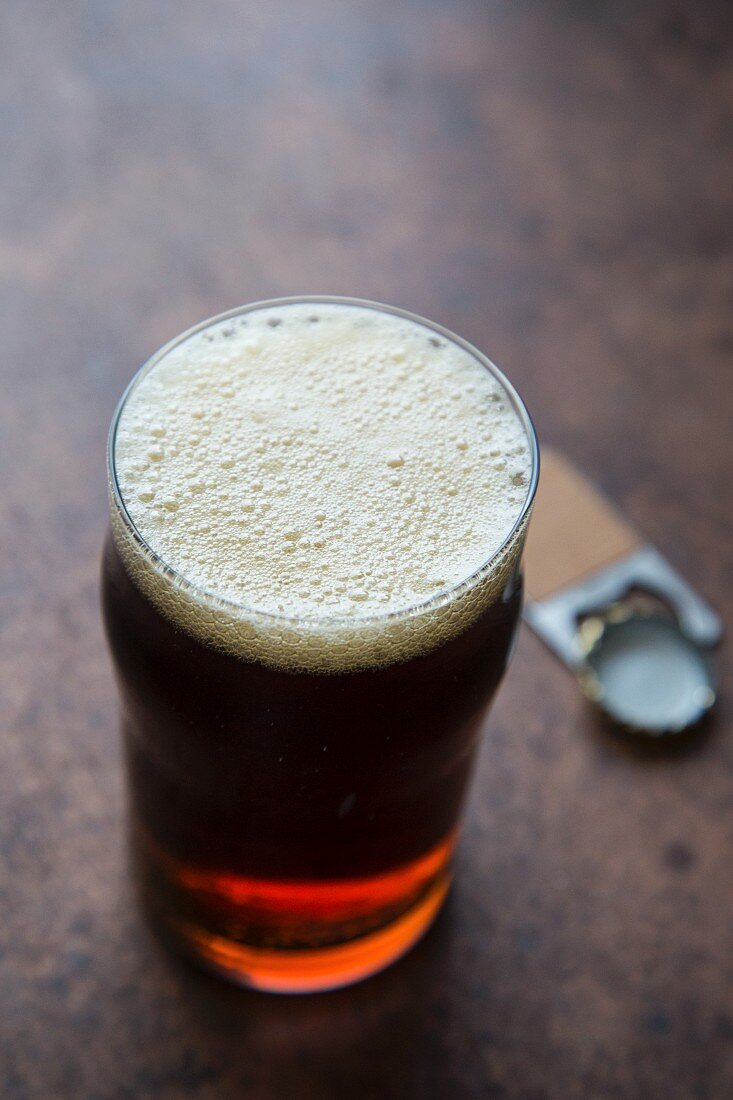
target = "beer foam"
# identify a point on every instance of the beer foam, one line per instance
(320, 485)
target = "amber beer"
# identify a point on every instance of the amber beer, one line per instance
(303, 665)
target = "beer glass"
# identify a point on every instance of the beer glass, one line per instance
(296, 782)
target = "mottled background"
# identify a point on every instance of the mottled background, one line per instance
(552, 180)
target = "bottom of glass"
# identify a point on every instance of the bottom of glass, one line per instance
(293, 936)
(309, 970)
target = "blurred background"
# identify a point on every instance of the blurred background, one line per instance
(552, 181)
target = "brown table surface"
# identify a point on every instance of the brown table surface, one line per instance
(551, 180)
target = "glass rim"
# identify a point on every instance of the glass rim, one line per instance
(437, 599)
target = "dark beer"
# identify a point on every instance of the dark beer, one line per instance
(296, 792)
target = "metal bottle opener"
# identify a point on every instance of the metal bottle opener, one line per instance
(589, 577)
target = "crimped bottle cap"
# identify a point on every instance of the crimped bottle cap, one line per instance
(643, 670)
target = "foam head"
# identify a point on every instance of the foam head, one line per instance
(320, 485)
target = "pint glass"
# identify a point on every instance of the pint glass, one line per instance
(303, 666)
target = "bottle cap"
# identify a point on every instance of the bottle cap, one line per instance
(644, 672)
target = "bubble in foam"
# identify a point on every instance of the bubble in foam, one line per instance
(310, 424)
